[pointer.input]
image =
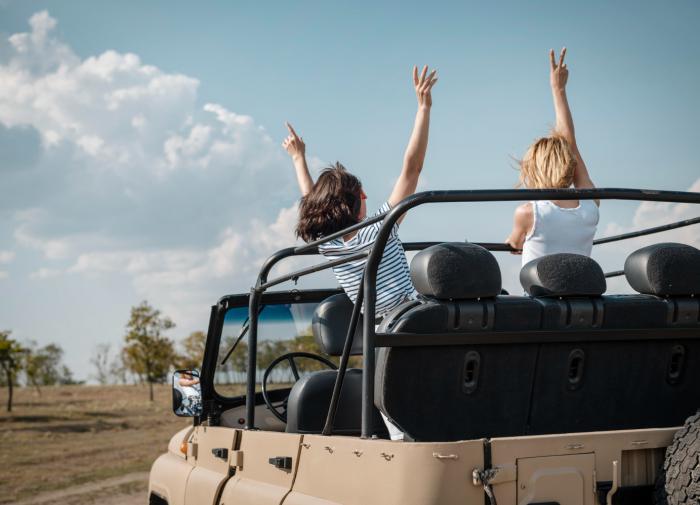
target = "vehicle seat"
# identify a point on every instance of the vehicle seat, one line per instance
(587, 383)
(593, 385)
(457, 392)
(568, 287)
(310, 397)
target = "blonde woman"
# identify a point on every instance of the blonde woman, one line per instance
(557, 226)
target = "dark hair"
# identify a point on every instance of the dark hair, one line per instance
(332, 204)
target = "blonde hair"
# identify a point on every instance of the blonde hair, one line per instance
(548, 164)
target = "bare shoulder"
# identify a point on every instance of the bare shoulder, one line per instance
(523, 218)
(524, 213)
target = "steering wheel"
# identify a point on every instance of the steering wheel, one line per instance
(280, 410)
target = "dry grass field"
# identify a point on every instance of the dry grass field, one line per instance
(74, 435)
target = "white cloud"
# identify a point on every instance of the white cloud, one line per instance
(650, 214)
(184, 280)
(45, 273)
(135, 176)
(647, 215)
(6, 256)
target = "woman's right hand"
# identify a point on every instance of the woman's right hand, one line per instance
(423, 85)
(558, 73)
(294, 144)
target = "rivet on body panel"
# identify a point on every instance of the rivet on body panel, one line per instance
(329, 449)
(305, 445)
(357, 453)
(387, 456)
(573, 447)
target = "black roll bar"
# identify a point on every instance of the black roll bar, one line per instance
(345, 357)
(372, 266)
(374, 256)
(647, 231)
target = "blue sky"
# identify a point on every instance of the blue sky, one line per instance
(159, 175)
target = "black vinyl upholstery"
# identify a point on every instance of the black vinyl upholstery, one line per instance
(447, 393)
(311, 396)
(330, 324)
(593, 386)
(666, 269)
(563, 274)
(467, 391)
(456, 271)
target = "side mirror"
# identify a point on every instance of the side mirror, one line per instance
(187, 394)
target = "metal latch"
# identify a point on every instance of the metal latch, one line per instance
(496, 475)
(220, 452)
(281, 462)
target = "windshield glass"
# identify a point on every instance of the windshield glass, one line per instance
(282, 328)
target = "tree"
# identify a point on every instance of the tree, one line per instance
(193, 350)
(43, 367)
(65, 377)
(10, 361)
(148, 353)
(239, 358)
(118, 369)
(100, 360)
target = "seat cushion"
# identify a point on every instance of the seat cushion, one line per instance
(311, 396)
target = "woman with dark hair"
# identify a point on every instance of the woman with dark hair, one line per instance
(337, 200)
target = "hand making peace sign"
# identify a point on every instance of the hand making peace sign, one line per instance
(558, 74)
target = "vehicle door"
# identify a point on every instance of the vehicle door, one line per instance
(235, 465)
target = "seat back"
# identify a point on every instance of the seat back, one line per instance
(589, 383)
(433, 393)
(310, 397)
(595, 384)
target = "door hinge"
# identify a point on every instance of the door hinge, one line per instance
(236, 459)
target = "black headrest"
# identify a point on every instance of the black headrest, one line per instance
(664, 269)
(330, 325)
(563, 274)
(456, 271)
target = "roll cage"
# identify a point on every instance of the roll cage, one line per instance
(367, 292)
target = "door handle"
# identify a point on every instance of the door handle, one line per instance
(281, 462)
(220, 452)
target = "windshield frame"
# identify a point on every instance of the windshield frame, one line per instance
(214, 403)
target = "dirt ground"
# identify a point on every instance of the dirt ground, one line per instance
(78, 445)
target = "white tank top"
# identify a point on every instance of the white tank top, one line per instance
(559, 230)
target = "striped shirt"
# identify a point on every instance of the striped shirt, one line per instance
(393, 277)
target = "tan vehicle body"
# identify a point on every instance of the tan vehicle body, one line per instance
(336, 470)
(423, 365)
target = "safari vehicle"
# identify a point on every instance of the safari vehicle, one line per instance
(564, 396)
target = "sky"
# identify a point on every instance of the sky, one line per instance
(140, 148)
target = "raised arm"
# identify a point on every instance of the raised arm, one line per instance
(558, 77)
(418, 143)
(296, 148)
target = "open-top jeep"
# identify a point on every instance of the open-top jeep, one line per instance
(565, 396)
